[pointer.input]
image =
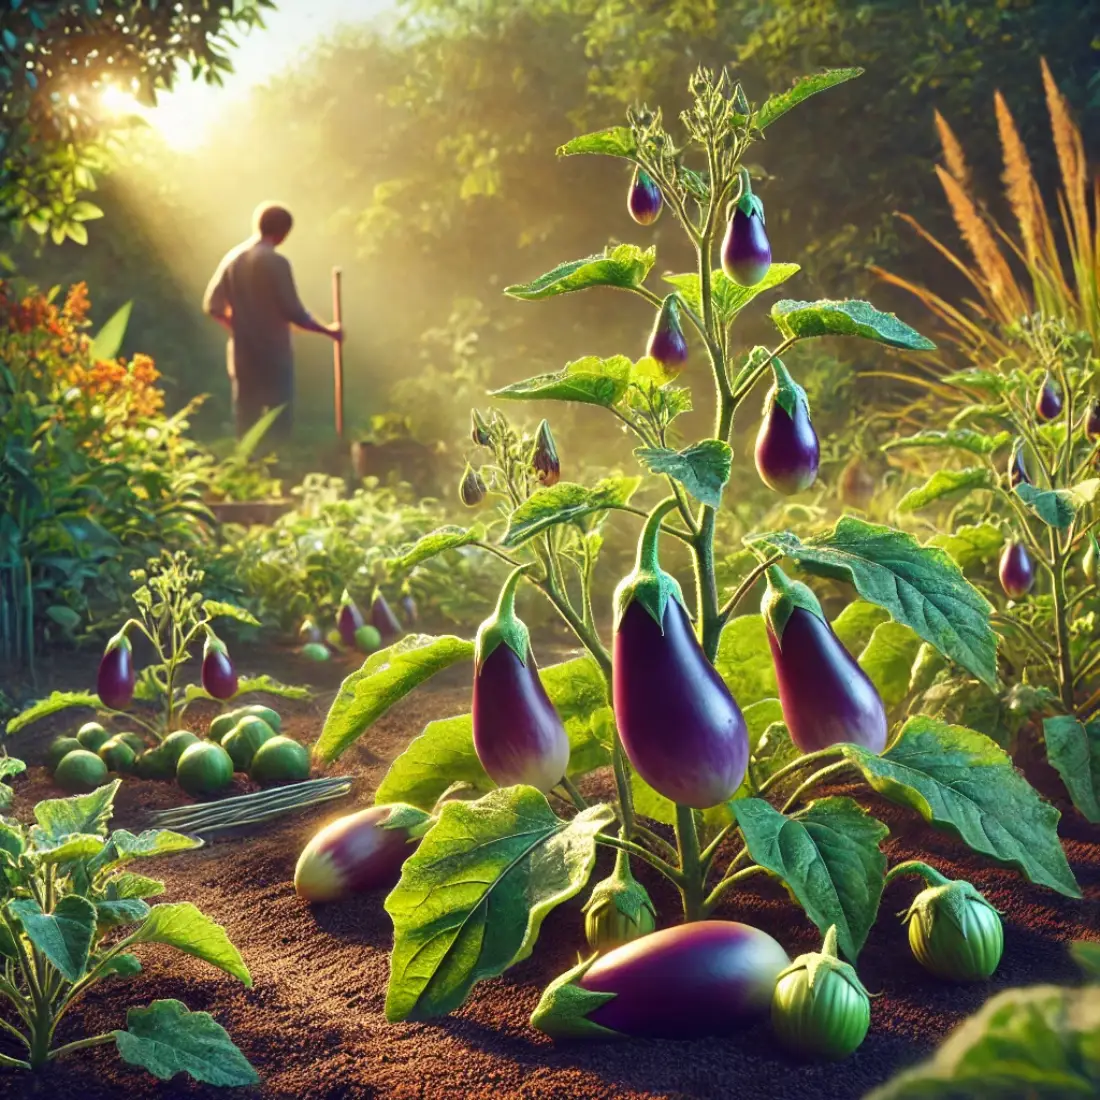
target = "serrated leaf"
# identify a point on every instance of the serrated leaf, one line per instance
(438, 542)
(588, 381)
(182, 926)
(1055, 507)
(59, 818)
(856, 623)
(217, 609)
(827, 856)
(971, 544)
(565, 502)
(962, 782)
(944, 483)
(703, 468)
(63, 936)
(920, 586)
(888, 660)
(802, 320)
(959, 439)
(107, 343)
(168, 1039)
(624, 266)
(473, 896)
(57, 702)
(616, 141)
(385, 678)
(744, 660)
(778, 105)
(729, 299)
(1073, 749)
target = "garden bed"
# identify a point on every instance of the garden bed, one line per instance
(313, 1025)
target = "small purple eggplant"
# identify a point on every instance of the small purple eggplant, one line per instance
(711, 977)
(219, 677)
(116, 679)
(348, 620)
(471, 489)
(383, 619)
(667, 343)
(408, 607)
(1092, 423)
(1017, 469)
(680, 727)
(827, 699)
(544, 457)
(518, 735)
(1048, 402)
(479, 430)
(746, 250)
(644, 198)
(1016, 570)
(787, 450)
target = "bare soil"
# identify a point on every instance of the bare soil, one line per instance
(313, 1027)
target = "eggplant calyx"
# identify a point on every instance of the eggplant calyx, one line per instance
(950, 901)
(669, 317)
(648, 583)
(782, 597)
(786, 393)
(410, 819)
(504, 625)
(821, 965)
(213, 644)
(562, 1011)
(747, 202)
(622, 891)
(118, 641)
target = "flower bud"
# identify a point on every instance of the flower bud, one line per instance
(471, 489)
(544, 457)
(479, 430)
(618, 909)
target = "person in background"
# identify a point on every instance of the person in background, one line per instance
(253, 297)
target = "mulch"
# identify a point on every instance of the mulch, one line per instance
(313, 1025)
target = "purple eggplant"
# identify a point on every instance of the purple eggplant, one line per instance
(666, 342)
(746, 250)
(644, 198)
(787, 450)
(518, 735)
(544, 457)
(1017, 469)
(711, 977)
(471, 489)
(408, 607)
(827, 699)
(219, 677)
(1048, 402)
(680, 726)
(383, 619)
(116, 679)
(1016, 570)
(1092, 422)
(479, 430)
(348, 620)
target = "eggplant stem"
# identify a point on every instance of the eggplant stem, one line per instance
(655, 841)
(795, 765)
(633, 849)
(817, 777)
(691, 868)
(746, 586)
(931, 876)
(575, 796)
(716, 894)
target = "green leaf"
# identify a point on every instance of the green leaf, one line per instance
(759, 717)
(625, 266)
(729, 298)
(565, 502)
(385, 678)
(744, 660)
(617, 141)
(63, 936)
(9, 766)
(436, 542)
(59, 818)
(971, 544)
(960, 781)
(167, 1038)
(920, 586)
(122, 966)
(1055, 507)
(67, 849)
(57, 702)
(588, 381)
(985, 381)
(959, 439)
(945, 483)
(703, 468)
(125, 846)
(827, 856)
(648, 803)
(888, 660)
(802, 320)
(121, 911)
(1086, 955)
(777, 106)
(252, 685)
(856, 623)
(107, 343)
(85, 212)
(216, 609)
(1073, 749)
(183, 927)
(774, 750)
(1042, 1043)
(129, 885)
(472, 897)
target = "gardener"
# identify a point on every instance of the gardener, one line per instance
(253, 297)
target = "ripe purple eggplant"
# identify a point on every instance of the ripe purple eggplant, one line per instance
(219, 677)
(644, 198)
(1048, 402)
(1092, 422)
(667, 343)
(680, 726)
(518, 735)
(116, 679)
(1016, 570)
(383, 619)
(544, 457)
(827, 699)
(349, 619)
(787, 450)
(710, 977)
(408, 607)
(471, 489)
(1017, 469)
(746, 250)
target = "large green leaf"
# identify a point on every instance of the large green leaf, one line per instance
(57, 702)
(63, 936)
(1055, 507)
(128, 885)
(944, 483)
(436, 542)
(828, 857)
(778, 105)
(971, 544)
(856, 623)
(625, 266)
(1073, 749)
(385, 678)
(616, 141)
(566, 502)
(250, 685)
(729, 298)
(920, 586)
(167, 1038)
(124, 846)
(962, 782)
(107, 343)
(472, 897)
(744, 660)
(1039, 1043)
(74, 846)
(182, 926)
(703, 468)
(959, 439)
(119, 911)
(218, 609)
(801, 320)
(589, 381)
(85, 813)
(888, 660)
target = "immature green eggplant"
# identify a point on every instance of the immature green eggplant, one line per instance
(544, 457)
(116, 679)
(787, 450)
(827, 699)
(681, 728)
(619, 909)
(1048, 401)
(518, 735)
(667, 343)
(746, 250)
(644, 198)
(383, 619)
(219, 677)
(1016, 570)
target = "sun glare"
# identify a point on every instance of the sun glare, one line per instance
(180, 119)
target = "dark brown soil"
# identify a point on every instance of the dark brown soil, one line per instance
(313, 1024)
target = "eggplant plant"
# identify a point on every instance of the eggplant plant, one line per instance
(719, 759)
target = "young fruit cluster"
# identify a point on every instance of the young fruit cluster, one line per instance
(353, 632)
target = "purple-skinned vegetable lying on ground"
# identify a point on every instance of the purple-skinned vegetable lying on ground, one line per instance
(708, 730)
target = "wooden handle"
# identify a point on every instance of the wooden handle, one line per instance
(338, 356)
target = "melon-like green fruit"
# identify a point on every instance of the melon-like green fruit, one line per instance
(368, 639)
(91, 735)
(117, 755)
(221, 726)
(244, 739)
(281, 758)
(155, 764)
(80, 771)
(175, 743)
(134, 740)
(204, 768)
(59, 748)
(316, 651)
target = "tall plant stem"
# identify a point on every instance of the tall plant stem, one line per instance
(1061, 624)
(691, 867)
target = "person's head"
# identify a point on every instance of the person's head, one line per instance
(272, 222)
